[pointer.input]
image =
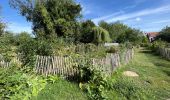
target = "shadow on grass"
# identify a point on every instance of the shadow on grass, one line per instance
(160, 62)
(145, 51)
(167, 72)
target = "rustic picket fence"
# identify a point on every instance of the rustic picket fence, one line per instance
(66, 66)
(164, 52)
(5, 64)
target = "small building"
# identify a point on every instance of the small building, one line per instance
(152, 35)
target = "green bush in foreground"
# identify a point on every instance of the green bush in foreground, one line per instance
(15, 84)
(93, 81)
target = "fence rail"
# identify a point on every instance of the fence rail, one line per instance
(65, 66)
(164, 52)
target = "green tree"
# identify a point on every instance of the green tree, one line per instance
(100, 35)
(49, 17)
(130, 35)
(114, 29)
(165, 34)
(86, 34)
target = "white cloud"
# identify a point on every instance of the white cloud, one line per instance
(96, 20)
(117, 17)
(138, 19)
(162, 9)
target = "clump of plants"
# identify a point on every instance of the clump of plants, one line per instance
(16, 84)
(93, 81)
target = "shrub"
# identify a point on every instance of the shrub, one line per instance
(22, 37)
(14, 84)
(28, 52)
(95, 82)
(112, 50)
(29, 49)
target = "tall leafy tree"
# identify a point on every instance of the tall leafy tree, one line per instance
(49, 17)
(165, 34)
(86, 31)
(114, 29)
(100, 35)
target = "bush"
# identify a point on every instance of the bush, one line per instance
(14, 84)
(29, 49)
(112, 50)
(28, 52)
(22, 37)
(7, 48)
(92, 81)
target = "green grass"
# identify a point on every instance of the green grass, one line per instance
(153, 82)
(61, 90)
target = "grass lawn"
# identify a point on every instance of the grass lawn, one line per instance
(61, 90)
(153, 82)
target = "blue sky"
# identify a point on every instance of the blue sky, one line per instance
(147, 15)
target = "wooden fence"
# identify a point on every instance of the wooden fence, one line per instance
(65, 66)
(5, 64)
(164, 52)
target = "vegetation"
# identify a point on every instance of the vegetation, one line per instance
(62, 90)
(152, 83)
(122, 33)
(165, 34)
(50, 18)
(58, 31)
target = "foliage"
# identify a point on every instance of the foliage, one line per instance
(155, 45)
(112, 49)
(100, 35)
(22, 37)
(165, 34)
(122, 33)
(130, 35)
(86, 34)
(28, 52)
(15, 84)
(114, 29)
(29, 49)
(7, 40)
(92, 81)
(2, 27)
(49, 17)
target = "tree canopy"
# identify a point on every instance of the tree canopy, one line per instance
(121, 33)
(114, 29)
(50, 18)
(100, 35)
(165, 34)
(86, 31)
